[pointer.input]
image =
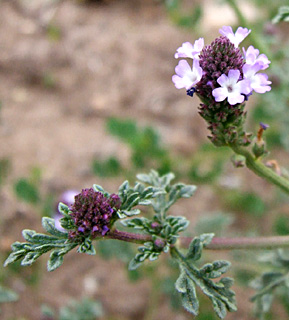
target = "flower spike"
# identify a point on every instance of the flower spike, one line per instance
(223, 77)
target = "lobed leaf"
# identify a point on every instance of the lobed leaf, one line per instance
(49, 225)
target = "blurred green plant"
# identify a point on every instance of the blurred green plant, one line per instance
(28, 190)
(5, 167)
(7, 295)
(144, 142)
(110, 167)
(85, 309)
(181, 15)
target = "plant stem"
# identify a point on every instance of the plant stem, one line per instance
(261, 170)
(128, 237)
(245, 243)
(216, 244)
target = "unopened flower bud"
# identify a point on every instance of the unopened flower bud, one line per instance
(159, 244)
(93, 214)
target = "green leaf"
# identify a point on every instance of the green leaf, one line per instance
(206, 238)
(215, 269)
(14, 256)
(195, 250)
(134, 264)
(7, 295)
(63, 208)
(189, 297)
(26, 191)
(29, 258)
(107, 168)
(87, 247)
(283, 15)
(222, 297)
(181, 283)
(28, 235)
(55, 260)
(37, 245)
(49, 225)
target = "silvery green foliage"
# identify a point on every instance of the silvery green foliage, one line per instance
(283, 15)
(137, 195)
(7, 295)
(171, 193)
(222, 297)
(164, 229)
(38, 244)
(270, 283)
(163, 236)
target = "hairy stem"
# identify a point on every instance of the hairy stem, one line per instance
(216, 244)
(128, 237)
(261, 170)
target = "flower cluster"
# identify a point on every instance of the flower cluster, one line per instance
(223, 77)
(93, 214)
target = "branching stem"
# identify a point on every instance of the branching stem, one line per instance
(217, 243)
(260, 169)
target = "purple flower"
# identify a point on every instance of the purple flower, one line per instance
(231, 88)
(67, 197)
(187, 77)
(93, 214)
(223, 76)
(252, 56)
(237, 37)
(258, 81)
(187, 50)
(264, 126)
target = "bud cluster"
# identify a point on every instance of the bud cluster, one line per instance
(93, 214)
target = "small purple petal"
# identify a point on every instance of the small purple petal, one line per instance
(234, 75)
(231, 88)
(187, 50)
(220, 94)
(81, 229)
(185, 76)
(95, 228)
(105, 229)
(57, 217)
(67, 197)
(258, 81)
(236, 38)
(264, 126)
(252, 56)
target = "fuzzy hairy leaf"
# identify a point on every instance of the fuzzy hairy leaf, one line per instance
(283, 15)
(49, 225)
(133, 196)
(63, 208)
(222, 297)
(37, 244)
(55, 261)
(7, 295)
(271, 283)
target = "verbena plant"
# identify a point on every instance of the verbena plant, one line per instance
(223, 77)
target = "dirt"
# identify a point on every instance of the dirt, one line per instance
(104, 59)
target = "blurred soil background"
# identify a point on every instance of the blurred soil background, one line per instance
(66, 67)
